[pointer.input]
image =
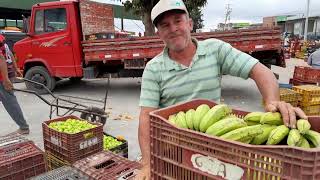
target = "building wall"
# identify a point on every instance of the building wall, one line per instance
(296, 26)
(269, 21)
(316, 27)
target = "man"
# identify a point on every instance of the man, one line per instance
(8, 68)
(314, 58)
(188, 69)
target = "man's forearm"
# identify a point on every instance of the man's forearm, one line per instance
(3, 68)
(144, 140)
(266, 82)
(144, 134)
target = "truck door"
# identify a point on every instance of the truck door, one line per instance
(52, 40)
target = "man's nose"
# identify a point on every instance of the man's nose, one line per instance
(172, 27)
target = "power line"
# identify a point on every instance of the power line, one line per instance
(227, 15)
(137, 25)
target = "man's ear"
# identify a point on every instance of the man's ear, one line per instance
(191, 24)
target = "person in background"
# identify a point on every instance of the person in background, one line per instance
(8, 71)
(188, 69)
(314, 58)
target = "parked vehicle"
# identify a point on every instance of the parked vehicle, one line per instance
(12, 36)
(58, 44)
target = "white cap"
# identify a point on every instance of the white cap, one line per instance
(167, 5)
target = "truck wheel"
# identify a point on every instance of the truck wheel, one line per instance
(94, 118)
(41, 75)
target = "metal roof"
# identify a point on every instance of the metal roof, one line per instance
(14, 9)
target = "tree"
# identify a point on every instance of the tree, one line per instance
(143, 8)
(196, 15)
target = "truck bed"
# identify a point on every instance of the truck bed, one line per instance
(249, 41)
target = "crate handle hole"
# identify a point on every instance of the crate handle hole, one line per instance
(9, 151)
(129, 175)
(106, 165)
(124, 170)
(74, 177)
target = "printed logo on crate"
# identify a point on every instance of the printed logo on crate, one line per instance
(88, 143)
(214, 166)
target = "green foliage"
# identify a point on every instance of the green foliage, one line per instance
(143, 8)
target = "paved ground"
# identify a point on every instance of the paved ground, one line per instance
(123, 100)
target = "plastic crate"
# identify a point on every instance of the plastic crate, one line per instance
(72, 147)
(122, 149)
(107, 166)
(290, 96)
(12, 139)
(297, 82)
(178, 153)
(306, 74)
(311, 110)
(54, 162)
(21, 161)
(310, 94)
(62, 173)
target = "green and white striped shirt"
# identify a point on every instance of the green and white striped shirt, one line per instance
(166, 82)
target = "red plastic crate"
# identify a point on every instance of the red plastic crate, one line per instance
(297, 82)
(306, 74)
(106, 165)
(186, 154)
(21, 161)
(72, 147)
(11, 139)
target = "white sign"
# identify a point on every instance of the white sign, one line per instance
(216, 167)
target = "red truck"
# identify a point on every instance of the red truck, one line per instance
(60, 44)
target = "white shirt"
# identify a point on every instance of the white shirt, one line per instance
(9, 54)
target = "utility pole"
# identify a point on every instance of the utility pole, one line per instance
(306, 23)
(227, 15)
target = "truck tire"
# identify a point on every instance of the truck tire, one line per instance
(41, 75)
(94, 118)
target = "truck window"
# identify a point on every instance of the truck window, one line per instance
(50, 20)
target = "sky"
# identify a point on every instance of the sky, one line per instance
(251, 11)
(254, 10)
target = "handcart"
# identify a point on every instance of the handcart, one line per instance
(70, 104)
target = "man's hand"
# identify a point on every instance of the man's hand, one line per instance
(144, 173)
(18, 72)
(287, 111)
(7, 85)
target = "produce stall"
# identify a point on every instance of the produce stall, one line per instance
(217, 142)
(73, 148)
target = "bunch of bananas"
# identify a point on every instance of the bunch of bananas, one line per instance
(255, 128)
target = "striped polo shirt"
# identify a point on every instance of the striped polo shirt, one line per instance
(166, 82)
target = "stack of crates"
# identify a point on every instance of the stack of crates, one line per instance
(305, 75)
(106, 165)
(64, 149)
(20, 158)
(310, 99)
(290, 96)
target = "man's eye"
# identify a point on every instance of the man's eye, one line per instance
(164, 25)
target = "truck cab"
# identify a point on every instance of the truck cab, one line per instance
(52, 48)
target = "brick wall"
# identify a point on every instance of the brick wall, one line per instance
(96, 17)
